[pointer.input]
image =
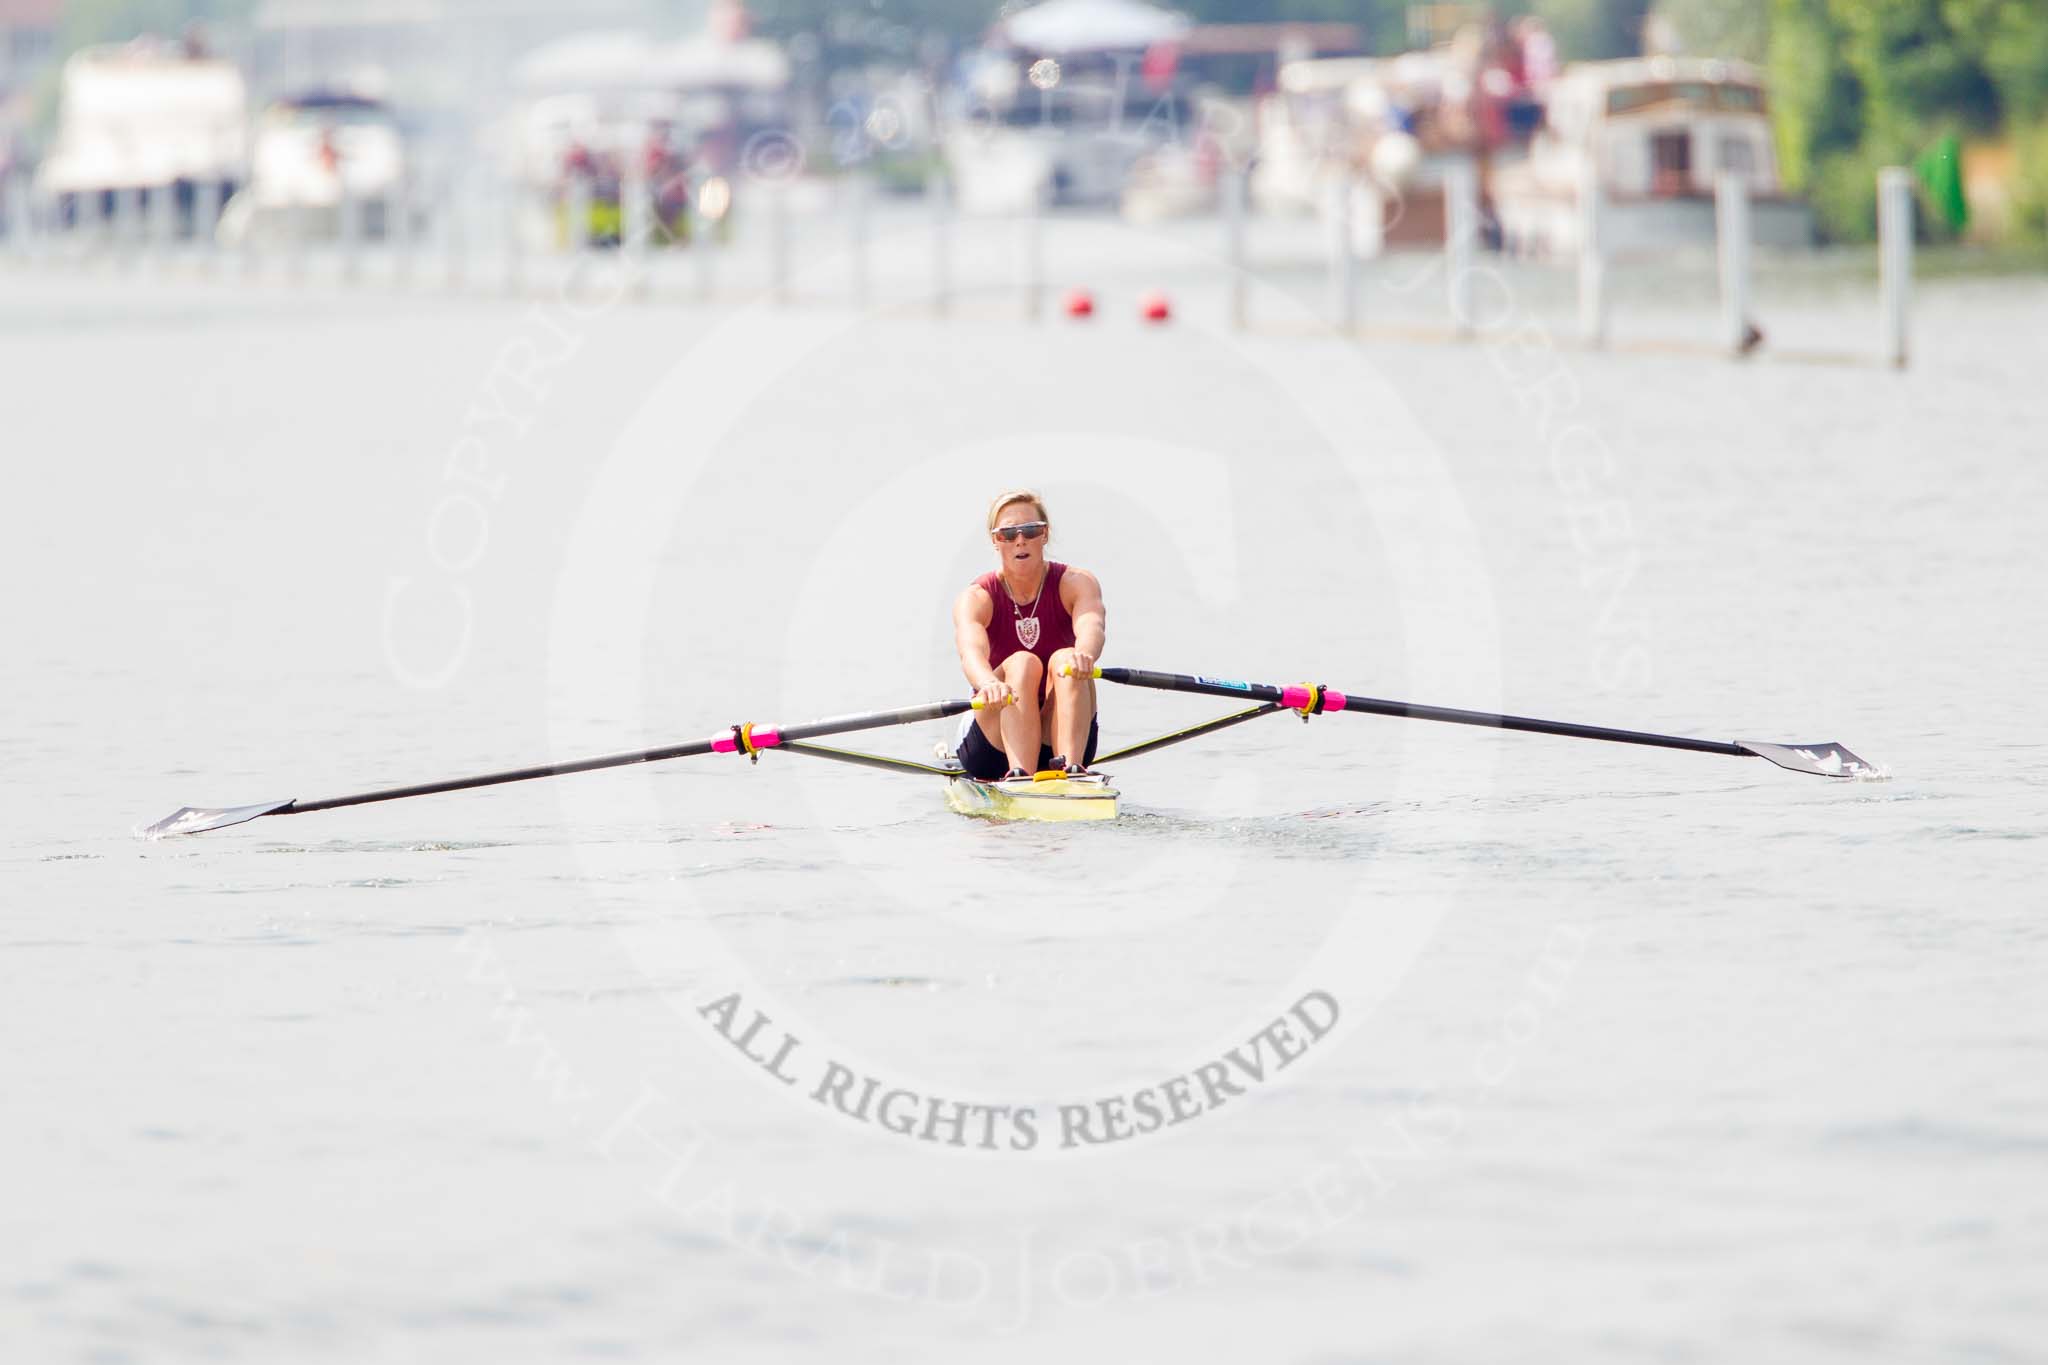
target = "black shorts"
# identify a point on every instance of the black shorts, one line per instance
(986, 763)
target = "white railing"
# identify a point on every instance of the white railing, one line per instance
(466, 233)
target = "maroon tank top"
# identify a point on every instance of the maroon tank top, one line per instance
(1009, 625)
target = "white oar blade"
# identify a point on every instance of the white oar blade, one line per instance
(1822, 760)
(199, 819)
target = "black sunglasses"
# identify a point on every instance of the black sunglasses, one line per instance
(1030, 530)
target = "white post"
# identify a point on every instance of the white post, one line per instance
(1233, 241)
(127, 224)
(1034, 256)
(1368, 218)
(513, 213)
(454, 222)
(16, 211)
(857, 215)
(206, 207)
(163, 222)
(778, 242)
(398, 227)
(1343, 255)
(1732, 246)
(92, 222)
(1895, 258)
(246, 244)
(636, 219)
(703, 240)
(30, 226)
(578, 208)
(297, 235)
(1461, 232)
(1592, 261)
(942, 241)
(40, 219)
(349, 224)
(633, 209)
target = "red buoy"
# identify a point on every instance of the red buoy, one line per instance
(1155, 308)
(1080, 304)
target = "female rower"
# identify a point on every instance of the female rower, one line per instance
(1029, 635)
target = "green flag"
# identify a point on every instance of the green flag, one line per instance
(1940, 169)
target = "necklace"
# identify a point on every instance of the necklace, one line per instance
(1027, 626)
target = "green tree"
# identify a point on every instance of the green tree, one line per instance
(87, 22)
(1815, 101)
(1595, 28)
(1915, 73)
(1721, 28)
(2030, 184)
(2009, 39)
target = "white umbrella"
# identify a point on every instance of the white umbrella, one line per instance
(1059, 26)
(588, 61)
(629, 61)
(695, 63)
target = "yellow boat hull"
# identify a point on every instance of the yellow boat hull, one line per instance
(1047, 797)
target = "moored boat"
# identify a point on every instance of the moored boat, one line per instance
(1651, 136)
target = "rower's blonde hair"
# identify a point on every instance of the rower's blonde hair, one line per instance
(995, 509)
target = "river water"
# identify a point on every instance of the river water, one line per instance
(1359, 1039)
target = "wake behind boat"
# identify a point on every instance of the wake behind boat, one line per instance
(1056, 795)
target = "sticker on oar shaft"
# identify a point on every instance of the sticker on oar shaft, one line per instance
(1230, 683)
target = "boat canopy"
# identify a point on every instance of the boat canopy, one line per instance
(1590, 92)
(1059, 27)
(142, 114)
(617, 60)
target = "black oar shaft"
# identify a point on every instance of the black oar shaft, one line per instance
(458, 784)
(1217, 687)
(766, 736)
(1453, 716)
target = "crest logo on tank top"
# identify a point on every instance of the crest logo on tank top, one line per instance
(1027, 631)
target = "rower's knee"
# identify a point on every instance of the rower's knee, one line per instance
(1061, 663)
(1023, 669)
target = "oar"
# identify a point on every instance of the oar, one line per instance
(739, 739)
(1823, 760)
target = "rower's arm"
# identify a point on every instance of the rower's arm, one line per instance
(972, 611)
(1083, 595)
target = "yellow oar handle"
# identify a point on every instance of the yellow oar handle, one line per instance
(978, 704)
(1067, 671)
